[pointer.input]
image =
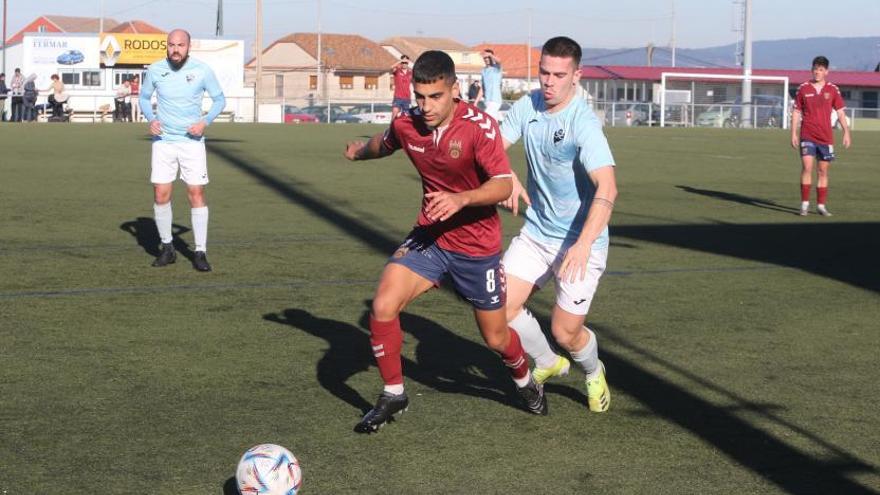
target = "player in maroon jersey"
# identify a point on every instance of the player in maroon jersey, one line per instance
(402, 75)
(813, 105)
(458, 152)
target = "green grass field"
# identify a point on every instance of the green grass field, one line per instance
(741, 340)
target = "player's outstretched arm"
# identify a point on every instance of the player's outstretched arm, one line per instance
(374, 148)
(443, 204)
(574, 265)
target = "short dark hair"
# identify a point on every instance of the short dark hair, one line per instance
(562, 46)
(489, 50)
(820, 61)
(404, 57)
(432, 66)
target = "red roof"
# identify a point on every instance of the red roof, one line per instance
(795, 77)
(135, 27)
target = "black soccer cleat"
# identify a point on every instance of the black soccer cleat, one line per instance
(167, 256)
(533, 397)
(200, 262)
(386, 407)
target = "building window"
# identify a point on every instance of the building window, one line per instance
(313, 82)
(346, 82)
(371, 82)
(42, 29)
(279, 85)
(70, 78)
(122, 75)
(91, 78)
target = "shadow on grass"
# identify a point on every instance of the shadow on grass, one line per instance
(443, 360)
(843, 253)
(144, 231)
(740, 198)
(230, 487)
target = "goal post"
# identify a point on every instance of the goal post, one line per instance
(714, 100)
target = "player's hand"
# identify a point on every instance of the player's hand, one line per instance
(156, 128)
(353, 148)
(442, 205)
(795, 142)
(197, 129)
(512, 202)
(846, 140)
(574, 265)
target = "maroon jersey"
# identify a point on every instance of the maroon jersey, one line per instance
(460, 157)
(816, 107)
(402, 80)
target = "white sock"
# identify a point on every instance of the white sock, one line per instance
(588, 357)
(200, 227)
(522, 382)
(393, 389)
(163, 216)
(533, 339)
(805, 205)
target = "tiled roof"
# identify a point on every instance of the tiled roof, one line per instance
(136, 27)
(340, 51)
(514, 59)
(795, 77)
(413, 46)
(70, 24)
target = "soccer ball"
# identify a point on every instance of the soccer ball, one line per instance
(268, 469)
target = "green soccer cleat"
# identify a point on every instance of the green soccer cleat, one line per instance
(598, 393)
(559, 368)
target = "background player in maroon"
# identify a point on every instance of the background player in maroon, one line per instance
(460, 156)
(402, 75)
(813, 105)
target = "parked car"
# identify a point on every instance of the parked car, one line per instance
(627, 116)
(718, 115)
(337, 115)
(376, 113)
(71, 57)
(293, 115)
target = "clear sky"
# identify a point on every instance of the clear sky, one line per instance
(595, 24)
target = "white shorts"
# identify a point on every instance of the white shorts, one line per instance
(492, 108)
(529, 260)
(187, 156)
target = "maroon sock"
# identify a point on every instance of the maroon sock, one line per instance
(386, 337)
(805, 192)
(821, 195)
(514, 357)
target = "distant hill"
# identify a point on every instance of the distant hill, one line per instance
(844, 53)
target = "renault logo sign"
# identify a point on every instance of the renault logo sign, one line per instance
(110, 50)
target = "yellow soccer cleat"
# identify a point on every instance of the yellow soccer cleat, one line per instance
(598, 393)
(559, 368)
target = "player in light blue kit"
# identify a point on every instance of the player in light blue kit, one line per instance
(490, 90)
(570, 191)
(178, 129)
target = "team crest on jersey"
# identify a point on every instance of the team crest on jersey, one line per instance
(190, 78)
(558, 136)
(827, 96)
(455, 148)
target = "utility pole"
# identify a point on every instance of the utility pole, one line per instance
(218, 30)
(4, 36)
(322, 83)
(747, 65)
(529, 53)
(672, 41)
(258, 48)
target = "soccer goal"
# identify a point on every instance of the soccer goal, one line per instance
(715, 100)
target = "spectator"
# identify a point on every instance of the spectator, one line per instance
(29, 98)
(135, 93)
(57, 97)
(473, 91)
(123, 103)
(3, 92)
(16, 90)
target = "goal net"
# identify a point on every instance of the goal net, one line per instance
(716, 100)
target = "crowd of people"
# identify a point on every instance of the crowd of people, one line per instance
(23, 94)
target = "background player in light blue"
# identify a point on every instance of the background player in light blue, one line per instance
(178, 128)
(490, 90)
(571, 190)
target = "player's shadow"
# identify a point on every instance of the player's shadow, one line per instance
(230, 487)
(443, 361)
(144, 231)
(739, 198)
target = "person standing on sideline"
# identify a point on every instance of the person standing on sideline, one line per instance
(3, 92)
(459, 155)
(29, 98)
(813, 105)
(572, 187)
(16, 92)
(135, 85)
(402, 82)
(178, 132)
(490, 90)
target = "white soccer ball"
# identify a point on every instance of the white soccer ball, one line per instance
(268, 469)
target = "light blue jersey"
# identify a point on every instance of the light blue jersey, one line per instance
(492, 83)
(180, 95)
(561, 148)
